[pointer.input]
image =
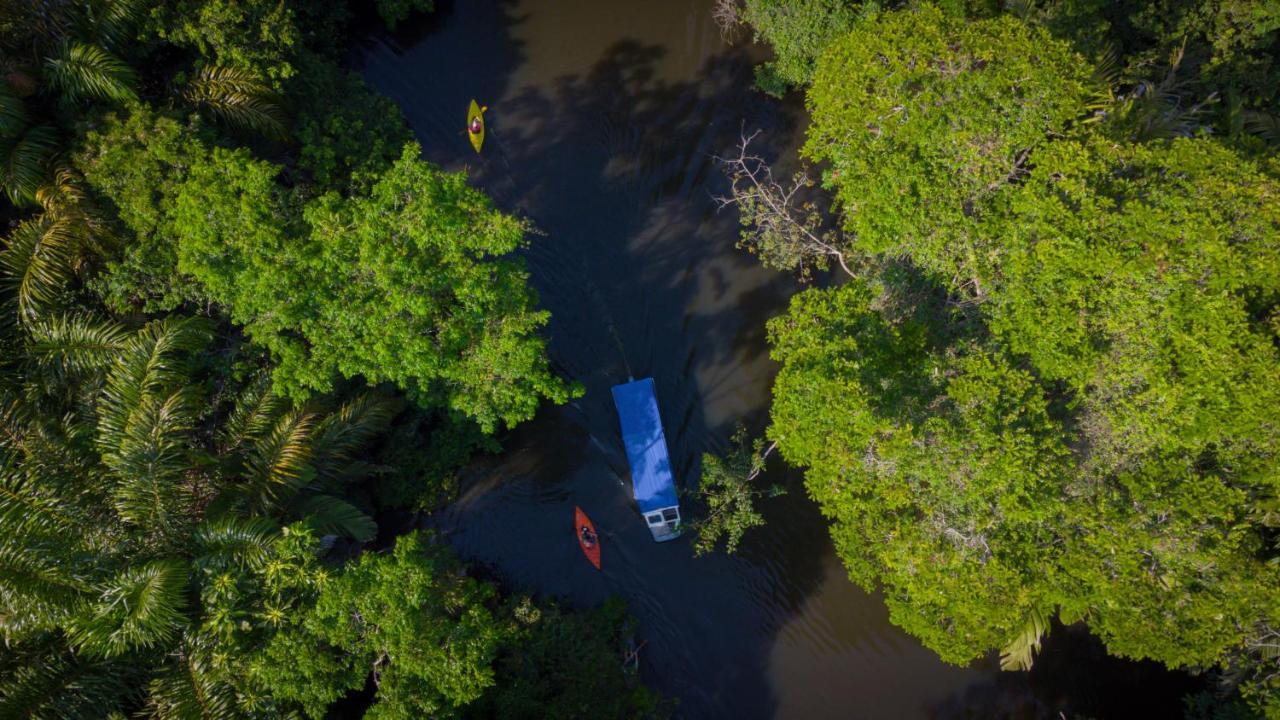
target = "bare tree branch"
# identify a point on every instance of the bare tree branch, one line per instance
(725, 15)
(777, 223)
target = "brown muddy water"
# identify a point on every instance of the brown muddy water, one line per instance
(603, 119)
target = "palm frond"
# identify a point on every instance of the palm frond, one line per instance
(13, 112)
(52, 684)
(54, 450)
(80, 71)
(1160, 110)
(145, 411)
(256, 411)
(1102, 97)
(71, 345)
(39, 540)
(278, 465)
(29, 510)
(37, 590)
(26, 159)
(140, 608)
(153, 362)
(331, 515)
(1264, 125)
(239, 99)
(188, 689)
(110, 22)
(1020, 653)
(340, 435)
(150, 463)
(234, 541)
(37, 263)
(67, 204)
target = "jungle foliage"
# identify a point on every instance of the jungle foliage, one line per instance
(215, 241)
(1050, 390)
(405, 281)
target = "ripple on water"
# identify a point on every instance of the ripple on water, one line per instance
(604, 115)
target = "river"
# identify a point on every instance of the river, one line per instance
(604, 116)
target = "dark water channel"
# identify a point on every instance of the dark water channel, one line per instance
(603, 119)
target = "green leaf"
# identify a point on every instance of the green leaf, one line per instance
(331, 515)
(37, 263)
(26, 158)
(239, 99)
(70, 345)
(141, 608)
(81, 71)
(1019, 654)
(13, 113)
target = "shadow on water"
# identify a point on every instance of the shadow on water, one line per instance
(603, 120)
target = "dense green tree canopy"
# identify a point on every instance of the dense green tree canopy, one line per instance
(922, 116)
(260, 36)
(408, 282)
(951, 484)
(410, 616)
(564, 664)
(1055, 386)
(1144, 277)
(798, 31)
(940, 468)
(168, 519)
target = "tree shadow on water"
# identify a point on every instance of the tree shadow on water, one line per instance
(1074, 678)
(642, 279)
(613, 165)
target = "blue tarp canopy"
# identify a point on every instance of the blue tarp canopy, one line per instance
(646, 445)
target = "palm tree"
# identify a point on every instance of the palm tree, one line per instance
(238, 98)
(61, 53)
(80, 71)
(123, 512)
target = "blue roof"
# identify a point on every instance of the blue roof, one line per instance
(646, 445)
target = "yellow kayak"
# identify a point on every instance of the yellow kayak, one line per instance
(475, 130)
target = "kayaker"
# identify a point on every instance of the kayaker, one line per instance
(588, 537)
(476, 126)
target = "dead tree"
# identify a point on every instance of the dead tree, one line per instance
(779, 224)
(725, 15)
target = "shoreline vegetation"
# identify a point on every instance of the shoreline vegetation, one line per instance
(244, 327)
(243, 322)
(1046, 390)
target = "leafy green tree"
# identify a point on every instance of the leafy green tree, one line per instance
(410, 618)
(728, 491)
(921, 117)
(940, 470)
(255, 36)
(138, 162)
(798, 32)
(348, 135)
(566, 664)
(446, 313)
(1092, 434)
(410, 282)
(1165, 340)
(394, 11)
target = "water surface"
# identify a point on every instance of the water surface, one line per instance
(604, 118)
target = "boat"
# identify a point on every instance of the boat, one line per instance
(581, 522)
(652, 483)
(474, 112)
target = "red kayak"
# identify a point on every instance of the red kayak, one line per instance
(587, 538)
